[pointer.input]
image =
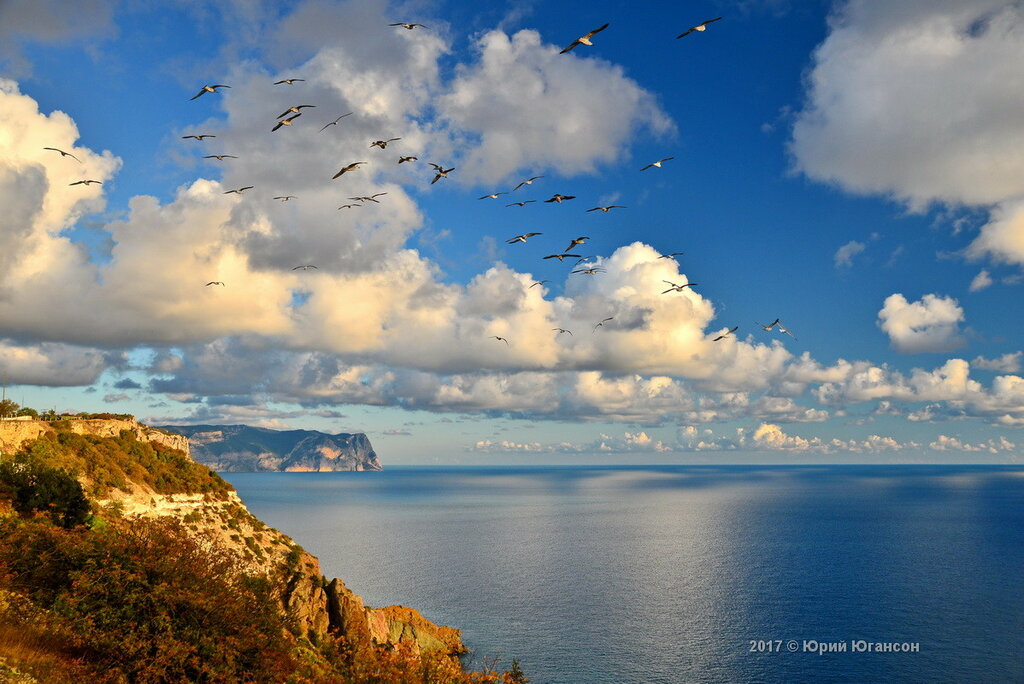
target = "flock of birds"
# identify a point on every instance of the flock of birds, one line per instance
(581, 266)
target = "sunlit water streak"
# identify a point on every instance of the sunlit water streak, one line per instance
(665, 574)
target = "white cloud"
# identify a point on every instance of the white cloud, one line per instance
(51, 364)
(844, 255)
(928, 325)
(531, 108)
(917, 99)
(1007, 363)
(992, 446)
(1002, 238)
(980, 281)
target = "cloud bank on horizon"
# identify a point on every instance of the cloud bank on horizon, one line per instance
(381, 323)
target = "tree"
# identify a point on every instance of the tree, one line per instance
(7, 408)
(27, 411)
(35, 487)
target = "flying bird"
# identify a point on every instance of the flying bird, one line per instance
(220, 157)
(606, 209)
(726, 334)
(677, 288)
(521, 238)
(371, 198)
(351, 167)
(64, 154)
(408, 26)
(603, 322)
(441, 172)
(775, 324)
(562, 330)
(657, 163)
(538, 282)
(560, 257)
(239, 191)
(584, 39)
(383, 143)
(215, 282)
(349, 206)
(285, 198)
(293, 110)
(702, 26)
(335, 122)
(520, 204)
(493, 195)
(305, 268)
(591, 271)
(528, 181)
(560, 198)
(86, 182)
(208, 89)
(200, 138)
(500, 338)
(288, 81)
(407, 159)
(673, 255)
(286, 122)
(578, 241)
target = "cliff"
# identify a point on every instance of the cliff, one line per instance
(111, 462)
(241, 448)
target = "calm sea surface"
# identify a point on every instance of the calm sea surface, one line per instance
(667, 574)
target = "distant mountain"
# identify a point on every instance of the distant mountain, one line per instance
(245, 449)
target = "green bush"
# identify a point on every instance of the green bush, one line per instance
(37, 488)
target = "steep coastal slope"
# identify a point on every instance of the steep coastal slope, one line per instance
(132, 473)
(245, 449)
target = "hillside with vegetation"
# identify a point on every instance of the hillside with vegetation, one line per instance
(123, 560)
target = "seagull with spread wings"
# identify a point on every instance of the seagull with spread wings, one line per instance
(408, 26)
(677, 288)
(672, 256)
(208, 89)
(561, 257)
(702, 26)
(521, 238)
(560, 198)
(383, 143)
(288, 81)
(657, 163)
(351, 167)
(520, 204)
(371, 198)
(776, 324)
(200, 138)
(578, 241)
(402, 160)
(215, 282)
(727, 333)
(239, 191)
(293, 110)
(528, 181)
(441, 172)
(499, 338)
(493, 195)
(584, 39)
(594, 270)
(86, 182)
(286, 122)
(562, 330)
(64, 154)
(285, 198)
(220, 157)
(606, 209)
(538, 282)
(335, 122)
(601, 324)
(306, 267)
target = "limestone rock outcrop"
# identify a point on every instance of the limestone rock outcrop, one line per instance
(246, 449)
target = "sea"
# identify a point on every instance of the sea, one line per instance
(674, 574)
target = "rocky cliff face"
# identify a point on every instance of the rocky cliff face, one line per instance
(14, 433)
(318, 606)
(241, 448)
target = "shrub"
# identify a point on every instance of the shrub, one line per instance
(35, 487)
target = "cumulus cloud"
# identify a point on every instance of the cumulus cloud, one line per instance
(844, 255)
(992, 446)
(928, 325)
(52, 364)
(1007, 363)
(895, 105)
(543, 113)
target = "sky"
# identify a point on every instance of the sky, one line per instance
(850, 168)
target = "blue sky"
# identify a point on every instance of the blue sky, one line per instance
(845, 167)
